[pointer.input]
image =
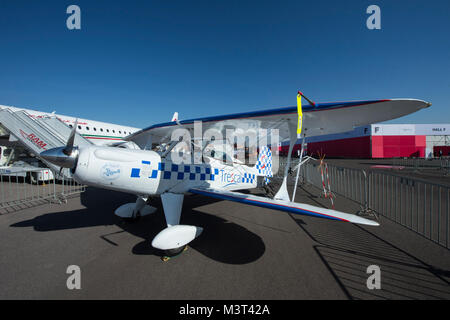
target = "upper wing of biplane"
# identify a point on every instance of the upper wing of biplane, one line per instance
(319, 119)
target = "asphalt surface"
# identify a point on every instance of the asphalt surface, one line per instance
(244, 252)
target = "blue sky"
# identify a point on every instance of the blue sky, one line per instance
(136, 62)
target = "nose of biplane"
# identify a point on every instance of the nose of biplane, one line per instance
(64, 157)
(61, 157)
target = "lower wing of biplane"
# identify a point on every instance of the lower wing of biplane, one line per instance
(287, 206)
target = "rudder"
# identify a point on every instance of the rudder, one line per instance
(263, 165)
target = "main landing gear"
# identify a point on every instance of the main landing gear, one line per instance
(173, 240)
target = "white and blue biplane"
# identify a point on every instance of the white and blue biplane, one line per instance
(147, 173)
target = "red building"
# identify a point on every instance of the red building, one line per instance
(378, 141)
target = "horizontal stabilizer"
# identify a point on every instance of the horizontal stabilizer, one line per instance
(292, 207)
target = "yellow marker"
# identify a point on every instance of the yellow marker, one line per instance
(300, 113)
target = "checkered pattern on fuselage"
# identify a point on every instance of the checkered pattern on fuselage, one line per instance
(183, 171)
(175, 171)
(248, 178)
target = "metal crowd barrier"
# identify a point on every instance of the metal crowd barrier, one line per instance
(419, 205)
(18, 191)
(416, 204)
(442, 163)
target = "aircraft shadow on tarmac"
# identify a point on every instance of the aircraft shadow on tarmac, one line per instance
(347, 250)
(221, 240)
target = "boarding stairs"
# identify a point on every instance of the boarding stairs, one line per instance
(38, 134)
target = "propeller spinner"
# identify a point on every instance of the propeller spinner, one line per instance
(64, 157)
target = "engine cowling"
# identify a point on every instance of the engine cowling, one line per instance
(131, 171)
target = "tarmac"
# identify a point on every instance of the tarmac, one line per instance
(244, 252)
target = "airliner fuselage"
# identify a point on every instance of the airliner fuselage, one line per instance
(99, 133)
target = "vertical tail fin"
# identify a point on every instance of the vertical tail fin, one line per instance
(263, 165)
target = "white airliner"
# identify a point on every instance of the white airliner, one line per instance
(99, 133)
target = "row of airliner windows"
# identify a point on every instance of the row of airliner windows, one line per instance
(101, 129)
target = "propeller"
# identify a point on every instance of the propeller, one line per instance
(64, 157)
(69, 146)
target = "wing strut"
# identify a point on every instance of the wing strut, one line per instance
(282, 193)
(298, 167)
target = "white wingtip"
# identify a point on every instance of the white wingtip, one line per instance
(360, 220)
